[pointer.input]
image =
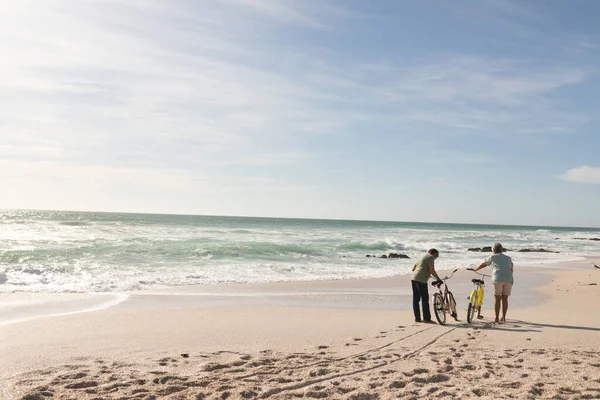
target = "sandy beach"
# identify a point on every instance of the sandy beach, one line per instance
(339, 340)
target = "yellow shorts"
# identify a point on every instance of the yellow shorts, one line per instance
(502, 289)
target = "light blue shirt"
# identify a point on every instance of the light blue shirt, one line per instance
(502, 268)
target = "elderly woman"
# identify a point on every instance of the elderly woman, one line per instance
(502, 278)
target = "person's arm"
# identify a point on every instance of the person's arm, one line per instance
(414, 266)
(432, 271)
(482, 265)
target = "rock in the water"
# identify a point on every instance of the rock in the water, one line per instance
(536, 251)
(397, 255)
(383, 256)
(485, 249)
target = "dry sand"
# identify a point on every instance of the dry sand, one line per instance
(548, 350)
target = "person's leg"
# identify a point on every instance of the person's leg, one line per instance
(497, 301)
(416, 298)
(425, 301)
(506, 291)
(504, 307)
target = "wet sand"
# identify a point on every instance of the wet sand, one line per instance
(339, 340)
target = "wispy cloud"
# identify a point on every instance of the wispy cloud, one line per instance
(483, 95)
(306, 13)
(191, 88)
(583, 174)
(87, 81)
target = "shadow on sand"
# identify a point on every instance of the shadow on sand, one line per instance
(521, 326)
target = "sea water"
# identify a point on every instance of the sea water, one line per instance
(89, 252)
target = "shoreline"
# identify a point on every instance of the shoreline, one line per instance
(135, 338)
(388, 293)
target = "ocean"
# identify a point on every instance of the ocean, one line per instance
(90, 252)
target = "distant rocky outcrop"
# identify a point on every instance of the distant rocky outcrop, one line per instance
(594, 238)
(537, 251)
(391, 255)
(397, 255)
(485, 249)
(488, 249)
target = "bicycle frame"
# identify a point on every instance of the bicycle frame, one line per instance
(446, 291)
(480, 290)
(446, 295)
(477, 295)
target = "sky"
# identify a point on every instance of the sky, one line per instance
(477, 111)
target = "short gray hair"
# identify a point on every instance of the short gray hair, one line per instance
(497, 248)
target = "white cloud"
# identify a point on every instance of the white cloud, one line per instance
(583, 174)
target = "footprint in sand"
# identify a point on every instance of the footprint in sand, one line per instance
(437, 378)
(416, 372)
(248, 394)
(318, 372)
(364, 396)
(82, 385)
(397, 385)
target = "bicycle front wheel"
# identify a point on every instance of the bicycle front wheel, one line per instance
(452, 304)
(472, 306)
(438, 308)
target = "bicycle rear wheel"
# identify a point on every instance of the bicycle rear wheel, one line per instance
(438, 308)
(472, 306)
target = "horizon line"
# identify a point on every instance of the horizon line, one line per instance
(301, 218)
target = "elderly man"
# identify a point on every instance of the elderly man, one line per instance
(502, 278)
(422, 270)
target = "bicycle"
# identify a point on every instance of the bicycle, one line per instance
(444, 302)
(476, 297)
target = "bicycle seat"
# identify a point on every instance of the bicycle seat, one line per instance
(436, 283)
(477, 281)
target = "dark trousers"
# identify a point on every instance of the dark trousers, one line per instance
(421, 293)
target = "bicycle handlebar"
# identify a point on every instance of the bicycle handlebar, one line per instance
(441, 281)
(453, 272)
(478, 273)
